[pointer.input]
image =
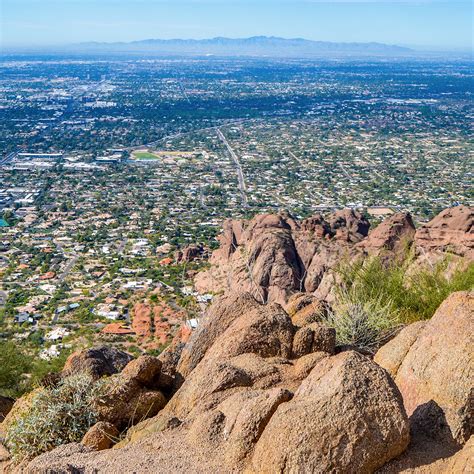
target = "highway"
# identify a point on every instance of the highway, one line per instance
(240, 174)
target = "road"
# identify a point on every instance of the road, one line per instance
(67, 269)
(3, 297)
(240, 174)
(122, 245)
(8, 158)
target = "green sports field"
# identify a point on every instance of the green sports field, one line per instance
(144, 155)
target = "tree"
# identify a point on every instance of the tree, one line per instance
(13, 364)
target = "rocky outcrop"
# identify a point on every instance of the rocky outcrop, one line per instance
(391, 355)
(97, 362)
(219, 316)
(274, 256)
(132, 395)
(190, 253)
(433, 366)
(452, 230)
(254, 387)
(393, 234)
(312, 433)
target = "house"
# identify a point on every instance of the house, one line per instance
(57, 334)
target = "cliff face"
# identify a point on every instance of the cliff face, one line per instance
(274, 256)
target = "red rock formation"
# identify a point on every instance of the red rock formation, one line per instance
(274, 256)
(392, 234)
(451, 230)
(141, 321)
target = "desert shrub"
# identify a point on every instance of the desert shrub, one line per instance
(414, 294)
(375, 296)
(57, 415)
(365, 324)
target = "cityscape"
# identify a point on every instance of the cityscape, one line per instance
(110, 167)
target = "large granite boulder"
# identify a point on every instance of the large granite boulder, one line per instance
(347, 416)
(97, 362)
(433, 366)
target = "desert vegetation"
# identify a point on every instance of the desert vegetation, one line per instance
(56, 416)
(375, 296)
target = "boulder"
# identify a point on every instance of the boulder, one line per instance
(391, 355)
(265, 330)
(97, 361)
(451, 230)
(314, 338)
(348, 225)
(6, 404)
(126, 402)
(190, 253)
(347, 416)
(393, 234)
(101, 436)
(145, 370)
(304, 309)
(438, 369)
(218, 318)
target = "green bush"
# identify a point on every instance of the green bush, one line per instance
(57, 415)
(415, 293)
(374, 297)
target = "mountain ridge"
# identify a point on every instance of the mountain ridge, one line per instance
(251, 46)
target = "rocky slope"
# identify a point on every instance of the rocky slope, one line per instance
(262, 386)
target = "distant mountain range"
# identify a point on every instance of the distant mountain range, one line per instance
(259, 46)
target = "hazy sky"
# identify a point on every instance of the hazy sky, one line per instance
(427, 23)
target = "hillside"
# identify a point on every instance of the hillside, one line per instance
(330, 347)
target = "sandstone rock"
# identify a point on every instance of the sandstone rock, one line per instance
(245, 415)
(145, 370)
(391, 355)
(304, 309)
(392, 234)
(348, 225)
(101, 436)
(265, 330)
(98, 362)
(347, 416)
(142, 320)
(6, 404)
(452, 230)
(439, 366)
(190, 253)
(169, 359)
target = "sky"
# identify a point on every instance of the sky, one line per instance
(427, 24)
